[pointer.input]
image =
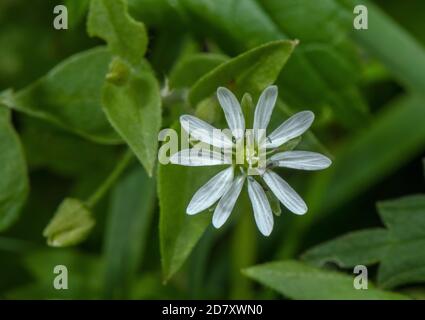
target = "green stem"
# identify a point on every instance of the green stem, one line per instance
(110, 180)
(244, 252)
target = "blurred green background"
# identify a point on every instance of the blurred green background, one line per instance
(367, 89)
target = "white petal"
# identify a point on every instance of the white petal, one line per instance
(210, 192)
(199, 157)
(262, 212)
(283, 191)
(232, 111)
(203, 131)
(227, 202)
(303, 160)
(265, 107)
(291, 128)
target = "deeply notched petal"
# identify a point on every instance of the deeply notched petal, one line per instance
(227, 202)
(260, 205)
(210, 192)
(264, 109)
(284, 192)
(232, 111)
(204, 132)
(303, 160)
(199, 157)
(291, 128)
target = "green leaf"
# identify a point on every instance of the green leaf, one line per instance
(250, 72)
(109, 20)
(393, 214)
(289, 15)
(398, 248)
(128, 227)
(13, 172)
(156, 13)
(77, 9)
(70, 96)
(70, 225)
(303, 82)
(297, 280)
(217, 19)
(179, 232)
(405, 262)
(189, 69)
(132, 103)
(361, 247)
(326, 59)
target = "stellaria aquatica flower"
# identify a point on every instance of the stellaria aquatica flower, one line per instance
(226, 186)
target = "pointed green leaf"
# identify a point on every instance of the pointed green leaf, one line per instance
(70, 96)
(132, 103)
(128, 227)
(398, 249)
(109, 20)
(362, 247)
(297, 280)
(179, 232)
(250, 72)
(405, 262)
(393, 214)
(13, 172)
(189, 69)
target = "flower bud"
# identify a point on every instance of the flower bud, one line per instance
(70, 225)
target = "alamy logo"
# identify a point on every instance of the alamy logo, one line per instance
(360, 281)
(360, 21)
(61, 20)
(60, 282)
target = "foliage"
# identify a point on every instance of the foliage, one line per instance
(397, 249)
(80, 114)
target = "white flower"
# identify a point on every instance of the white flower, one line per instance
(226, 186)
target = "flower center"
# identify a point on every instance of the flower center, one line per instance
(250, 156)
